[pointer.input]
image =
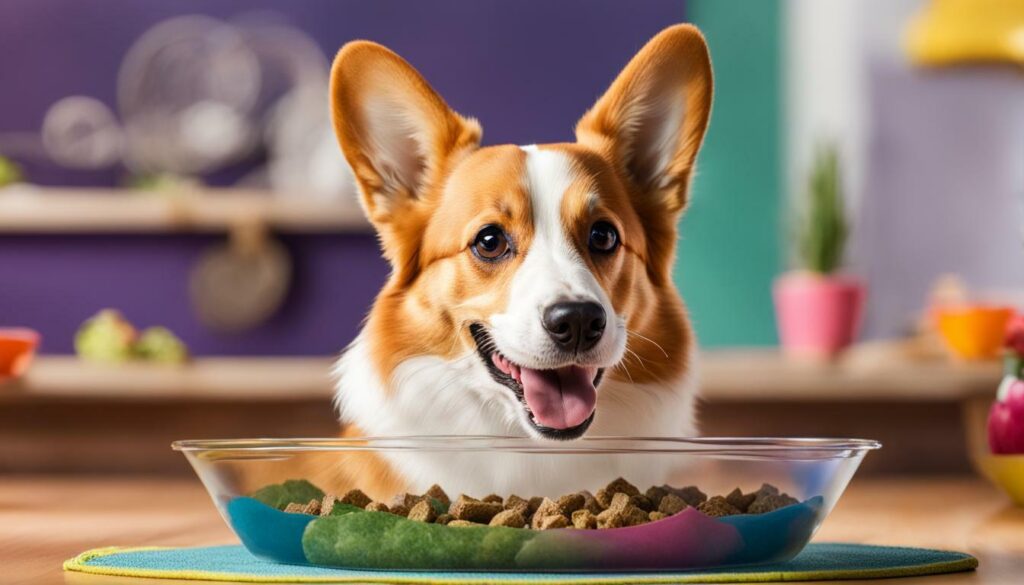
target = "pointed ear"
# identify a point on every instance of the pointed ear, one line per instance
(652, 119)
(398, 136)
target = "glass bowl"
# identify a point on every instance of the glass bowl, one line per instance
(661, 524)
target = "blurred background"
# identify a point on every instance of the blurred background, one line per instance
(183, 251)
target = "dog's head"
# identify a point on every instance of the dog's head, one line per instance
(548, 267)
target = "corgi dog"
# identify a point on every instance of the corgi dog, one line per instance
(531, 292)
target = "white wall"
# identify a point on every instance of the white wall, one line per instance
(934, 158)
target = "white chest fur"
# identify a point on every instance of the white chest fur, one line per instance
(431, 396)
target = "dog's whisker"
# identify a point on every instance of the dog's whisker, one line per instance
(626, 370)
(639, 359)
(657, 378)
(647, 339)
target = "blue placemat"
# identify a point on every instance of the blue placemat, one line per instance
(818, 561)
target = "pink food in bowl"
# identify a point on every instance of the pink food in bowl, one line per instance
(17, 347)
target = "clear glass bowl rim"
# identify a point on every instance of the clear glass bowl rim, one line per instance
(712, 446)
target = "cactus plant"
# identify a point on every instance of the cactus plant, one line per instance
(821, 223)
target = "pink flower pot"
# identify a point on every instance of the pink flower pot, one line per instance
(818, 316)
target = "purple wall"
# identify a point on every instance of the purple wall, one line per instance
(61, 281)
(527, 69)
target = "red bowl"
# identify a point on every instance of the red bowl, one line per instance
(17, 347)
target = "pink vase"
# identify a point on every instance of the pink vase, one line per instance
(818, 316)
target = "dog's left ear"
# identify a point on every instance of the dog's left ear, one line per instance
(652, 119)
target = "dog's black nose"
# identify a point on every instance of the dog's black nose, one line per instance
(575, 326)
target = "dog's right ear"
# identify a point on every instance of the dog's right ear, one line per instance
(398, 136)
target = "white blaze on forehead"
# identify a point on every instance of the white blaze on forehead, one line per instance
(552, 270)
(552, 257)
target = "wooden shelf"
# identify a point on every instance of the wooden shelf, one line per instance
(867, 373)
(32, 210)
(210, 378)
(726, 375)
(66, 415)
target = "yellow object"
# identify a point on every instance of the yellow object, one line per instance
(1007, 472)
(973, 332)
(950, 32)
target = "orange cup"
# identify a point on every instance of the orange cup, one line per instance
(17, 347)
(973, 332)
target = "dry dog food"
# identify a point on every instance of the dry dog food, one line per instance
(619, 504)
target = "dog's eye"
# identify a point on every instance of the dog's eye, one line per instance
(604, 237)
(491, 243)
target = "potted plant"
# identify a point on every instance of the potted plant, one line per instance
(818, 309)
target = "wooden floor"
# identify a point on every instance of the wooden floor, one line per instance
(44, 521)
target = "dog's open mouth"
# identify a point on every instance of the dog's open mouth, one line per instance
(559, 403)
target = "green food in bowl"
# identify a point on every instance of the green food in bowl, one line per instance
(292, 491)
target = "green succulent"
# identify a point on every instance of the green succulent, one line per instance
(821, 226)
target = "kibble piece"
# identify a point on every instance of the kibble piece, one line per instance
(443, 519)
(620, 485)
(438, 494)
(604, 495)
(621, 512)
(767, 489)
(690, 494)
(629, 516)
(466, 508)
(603, 498)
(458, 522)
(295, 508)
(327, 504)
(514, 502)
(619, 502)
(377, 507)
(399, 510)
(671, 504)
(494, 499)
(654, 494)
(740, 500)
(405, 500)
(534, 503)
(584, 518)
(635, 516)
(313, 507)
(569, 503)
(591, 503)
(770, 503)
(610, 519)
(656, 515)
(422, 512)
(510, 518)
(356, 498)
(717, 507)
(547, 507)
(643, 502)
(552, 522)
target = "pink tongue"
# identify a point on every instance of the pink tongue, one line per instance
(562, 398)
